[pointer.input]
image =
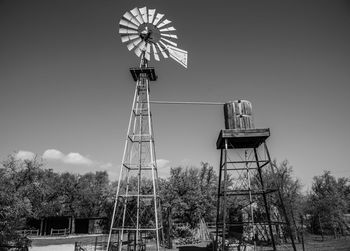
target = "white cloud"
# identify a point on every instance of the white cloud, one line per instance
(53, 154)
(24, 155)
(106, 165)
(163, 163)
(186, 162)
(163, 168)
(70, 158)
(77, 159)
(113, 175)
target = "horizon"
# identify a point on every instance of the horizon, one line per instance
(67, 91)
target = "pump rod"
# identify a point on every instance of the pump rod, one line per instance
(185, 102)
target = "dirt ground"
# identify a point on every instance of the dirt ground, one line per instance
(71, 239)
(62, 247)
(67, 244)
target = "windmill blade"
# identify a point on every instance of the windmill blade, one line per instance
(162, 50)
(127, 31)
(140, 48)
(137, 15)
(142, 42)
(148, 52)
(129, 37)
(163, 45)
(167, 29)
(178, 55)
(158, 18)
(165, 22)
(134, 43)
(168, 35)
(144, 14)
(151, 15)
(155, 53)
(168, 41)
(131, 18)
(128, 24)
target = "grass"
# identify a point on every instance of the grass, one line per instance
(340, 244)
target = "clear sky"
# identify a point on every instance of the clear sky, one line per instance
(65, 83)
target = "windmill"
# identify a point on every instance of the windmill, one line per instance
(146, 31)
(137, 211)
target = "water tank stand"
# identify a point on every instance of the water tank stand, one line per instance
(245, 216)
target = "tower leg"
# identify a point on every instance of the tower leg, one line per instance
(252, 222)
(225, 200)
(265, 200)
(218, 202)
(281, 199)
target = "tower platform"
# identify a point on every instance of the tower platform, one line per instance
(242, 138)
(149, 71)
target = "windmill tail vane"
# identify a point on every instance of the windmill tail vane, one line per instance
(147, 33)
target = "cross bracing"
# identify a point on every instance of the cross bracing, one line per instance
(137, 210)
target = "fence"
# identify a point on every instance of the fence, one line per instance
(28, 232)
(58, 232)
(96, 245)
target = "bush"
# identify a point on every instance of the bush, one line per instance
(182, 231)
(185, 235)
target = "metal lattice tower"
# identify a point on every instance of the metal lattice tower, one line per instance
(246, 218)
(136, 218)
(137, 210)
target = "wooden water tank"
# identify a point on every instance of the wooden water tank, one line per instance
(238, 115)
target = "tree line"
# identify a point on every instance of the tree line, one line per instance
(28, 189)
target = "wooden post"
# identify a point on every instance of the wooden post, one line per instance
(95, 243)
(45, 226)
(170, 243)
(73, 225)
(302, 231)
(334, 228)
(41, 231)
(319, 221)
(69, 225)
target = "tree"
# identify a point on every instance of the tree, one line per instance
(208, 187)
(190, 193)
(48, 202)
(93, 191)
(29, 191)
(290, 191)
(17, 185)
(286, 203)
(327, 203)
